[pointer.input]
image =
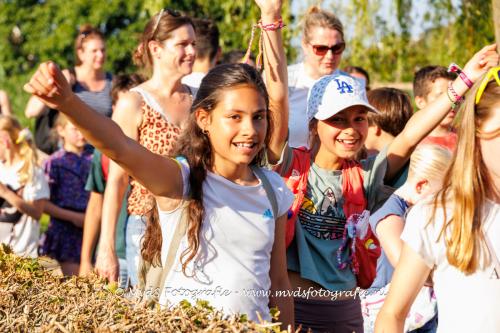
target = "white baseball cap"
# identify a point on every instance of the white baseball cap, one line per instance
(333, 93)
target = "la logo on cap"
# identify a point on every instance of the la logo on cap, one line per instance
(344, 87)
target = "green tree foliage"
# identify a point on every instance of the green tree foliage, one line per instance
(454, 32)
(32, 31)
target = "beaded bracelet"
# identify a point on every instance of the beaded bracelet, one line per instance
(264, 27)
(466, 80)
(456, 100)
(454, 68)
(272, 26)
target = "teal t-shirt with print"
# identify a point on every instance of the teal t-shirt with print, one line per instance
(321, 220)
(97, 183)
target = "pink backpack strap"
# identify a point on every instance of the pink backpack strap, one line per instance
(352, 188)
(296, 181)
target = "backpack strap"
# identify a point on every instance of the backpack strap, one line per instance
(271, 195)
(155, 276)
(180, 231)
(296, 180)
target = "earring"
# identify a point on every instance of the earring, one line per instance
(206, 132)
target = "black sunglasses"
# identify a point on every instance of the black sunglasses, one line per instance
(321, 50)
(84, 34)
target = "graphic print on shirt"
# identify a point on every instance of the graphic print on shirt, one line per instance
(328, 221)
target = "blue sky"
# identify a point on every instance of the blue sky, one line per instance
(418, 8)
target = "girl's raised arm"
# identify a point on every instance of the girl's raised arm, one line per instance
(409, 277)
(158, 174)
(425, 120)
(276, 76)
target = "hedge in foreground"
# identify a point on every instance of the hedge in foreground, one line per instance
(33, 299)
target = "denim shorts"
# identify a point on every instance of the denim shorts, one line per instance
(136, 227)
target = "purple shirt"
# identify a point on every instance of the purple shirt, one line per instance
(67, 174)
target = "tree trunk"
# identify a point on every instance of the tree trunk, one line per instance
(496, 21)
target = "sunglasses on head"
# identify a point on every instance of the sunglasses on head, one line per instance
(321, 50)
(169, 11)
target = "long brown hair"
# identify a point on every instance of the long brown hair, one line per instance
(467, 184)
(195, 146)
(159, 28)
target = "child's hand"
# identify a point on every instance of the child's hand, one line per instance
(49, 85)
(481, 62)
(85, 268)
(269, 8)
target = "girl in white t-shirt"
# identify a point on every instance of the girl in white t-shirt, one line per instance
(234, 250)
(457, 234)
(23, 188)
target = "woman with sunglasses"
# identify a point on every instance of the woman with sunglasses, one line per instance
(322, 45)
(456, 234)
(152, 114)
(88, 79)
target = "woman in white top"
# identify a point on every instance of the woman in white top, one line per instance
(457, 234)
(233, 252)
(322, 45)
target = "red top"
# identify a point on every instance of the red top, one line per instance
(449, 141)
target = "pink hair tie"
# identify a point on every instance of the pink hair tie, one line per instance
(24, 135)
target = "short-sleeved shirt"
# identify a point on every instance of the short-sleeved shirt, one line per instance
(321, 220)
(299, 84)
(23, 236)
(231, 269)
(466, 303)
(96, 182)
(397, 206)
(400, 178)
(67, 174)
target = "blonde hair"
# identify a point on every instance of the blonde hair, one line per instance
(23, 145)
(467, 184)
(317, 17)
(60, 122)
(429, 161)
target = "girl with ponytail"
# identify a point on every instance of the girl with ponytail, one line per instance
(23, 188)
(233, 253)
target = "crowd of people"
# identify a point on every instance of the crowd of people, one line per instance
(255, 190)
